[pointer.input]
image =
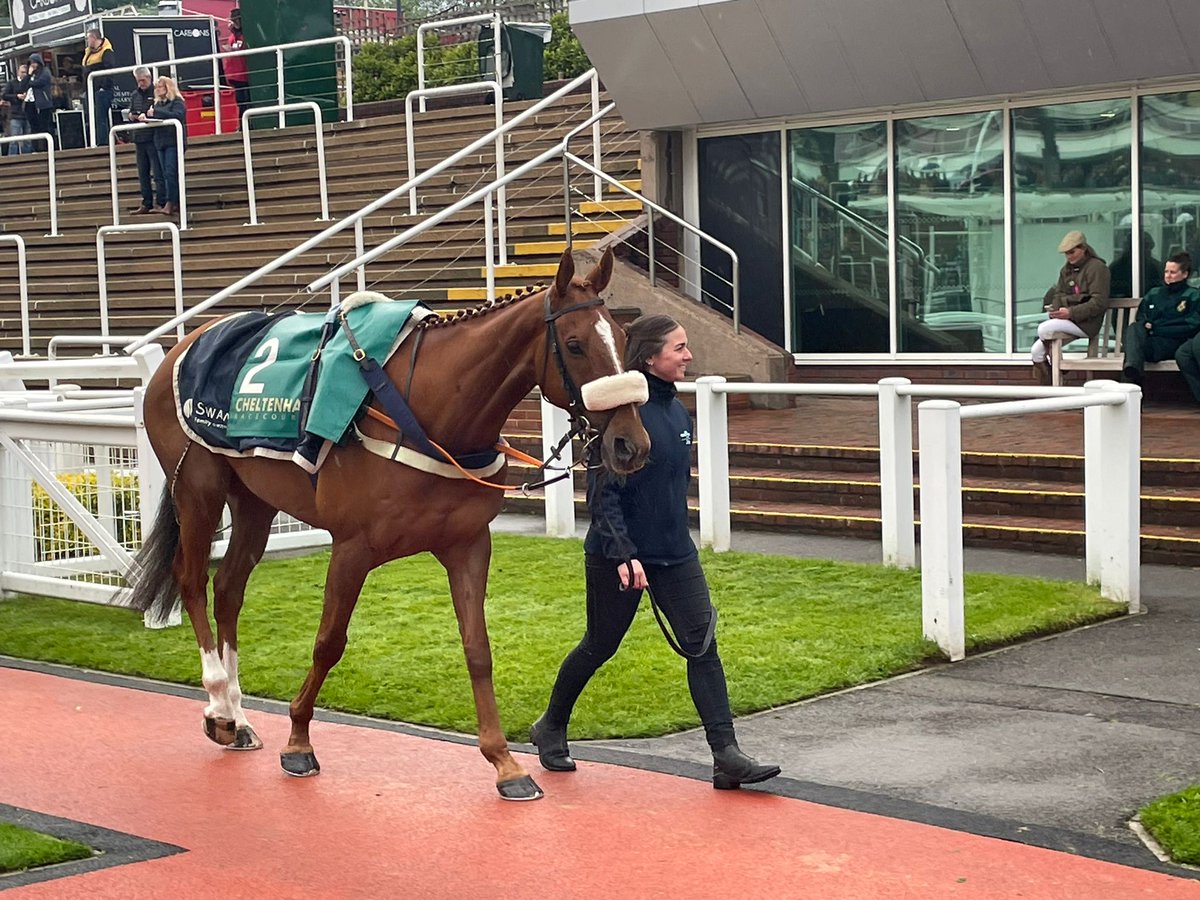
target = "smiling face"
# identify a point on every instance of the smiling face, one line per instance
(670, 363)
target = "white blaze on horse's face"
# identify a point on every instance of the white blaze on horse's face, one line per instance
(611, 391)
(606, 334)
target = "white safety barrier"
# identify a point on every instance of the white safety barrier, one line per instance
(102, 268)
(283, 108)
(22, 287)
(46, 139)
(112, 165)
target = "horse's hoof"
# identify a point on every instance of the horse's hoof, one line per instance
(220, 731)
(523, 788)
(302, 764)
(246, 739)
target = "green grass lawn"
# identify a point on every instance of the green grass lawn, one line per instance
(789, 629)
(1174, 821)
(22, 849)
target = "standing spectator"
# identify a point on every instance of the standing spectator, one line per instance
(1075, 303)
(237, 74)
(98, 57)
(168, 104)
(638, 540)
(39, 100)
(150, 173)
(17, 123)
(1121, 269)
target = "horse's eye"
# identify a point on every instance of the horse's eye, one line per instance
(575, 347)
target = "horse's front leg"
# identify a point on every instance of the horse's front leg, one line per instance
(467, 567)
(349, 563)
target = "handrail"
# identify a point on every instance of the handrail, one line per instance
(50, 164)
(734, 276)
(112, 165)
(879, 233)
(497, 25)
(277, 49)
(102, 275)
(281, 108)
(357, 217)
(410, 143)
(23, 287)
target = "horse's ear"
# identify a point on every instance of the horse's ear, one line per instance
(566, 271)
(599, 277)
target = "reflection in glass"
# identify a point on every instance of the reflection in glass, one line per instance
(1071, 170)
(740, 206)
(839, 238)
(950, 224)
(1170, 172)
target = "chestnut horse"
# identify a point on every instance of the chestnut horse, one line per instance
(468, 376)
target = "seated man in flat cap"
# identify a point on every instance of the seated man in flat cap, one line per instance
(1077, 301)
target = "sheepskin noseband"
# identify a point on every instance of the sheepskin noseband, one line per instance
(612, 391)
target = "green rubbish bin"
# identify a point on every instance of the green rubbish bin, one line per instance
(522, 57)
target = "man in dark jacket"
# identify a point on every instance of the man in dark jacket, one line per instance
(17, 123)
(141, 100)
(98, 57)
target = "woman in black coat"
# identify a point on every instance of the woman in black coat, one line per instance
(639, 539)
(168, 104)
(39, 104)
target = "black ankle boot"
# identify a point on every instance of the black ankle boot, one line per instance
(551, 743)
(732, 768)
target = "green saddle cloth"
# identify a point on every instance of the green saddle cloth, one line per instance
(266, 395)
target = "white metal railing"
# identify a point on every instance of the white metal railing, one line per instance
(214, 58)
(179, 152)
(49, 142)
(22, 287)
(102, 270)
(480, 194)
(281, 109)
(426, 27)
(355, 218)
(411, 145)
(1111, 477)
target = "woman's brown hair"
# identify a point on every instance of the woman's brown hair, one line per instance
(645, 337)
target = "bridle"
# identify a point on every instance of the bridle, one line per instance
(581, 427)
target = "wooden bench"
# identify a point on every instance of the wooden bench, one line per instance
(1104, 353)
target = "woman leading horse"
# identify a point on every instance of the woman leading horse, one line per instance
(462, 383)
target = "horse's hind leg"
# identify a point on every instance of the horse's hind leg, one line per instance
(467, 567)
(251, 527)
(200, 491)
(349, 563)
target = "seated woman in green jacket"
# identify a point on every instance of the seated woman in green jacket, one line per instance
(1168, 316)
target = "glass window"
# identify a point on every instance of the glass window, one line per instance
(950, 233)
(1170, 201)
(1071, 170)
(839, 238)
(740, 206)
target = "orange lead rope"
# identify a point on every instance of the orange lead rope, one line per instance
(502, 446)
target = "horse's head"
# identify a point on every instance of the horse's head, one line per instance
(582, 372)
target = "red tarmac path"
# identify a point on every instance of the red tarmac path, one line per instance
(398, 816)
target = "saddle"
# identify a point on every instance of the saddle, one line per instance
(285, 385)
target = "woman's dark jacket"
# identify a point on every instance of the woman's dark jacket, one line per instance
(645, 515)
(41, 84)
(164, 136)
(1173, 310)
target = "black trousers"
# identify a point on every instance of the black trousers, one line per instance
(149, 173)
(681, 592)
(1142, 347)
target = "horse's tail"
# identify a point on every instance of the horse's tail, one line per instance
(152, 581)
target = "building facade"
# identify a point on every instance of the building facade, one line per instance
(895, 175)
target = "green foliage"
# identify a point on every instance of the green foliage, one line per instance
(22, 849)
(1174, 821)
(564, 54)
(389, 71)
(789, 629)
(56, 536)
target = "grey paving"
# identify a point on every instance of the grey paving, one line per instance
(1073, 732)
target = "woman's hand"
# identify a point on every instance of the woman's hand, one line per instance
(1061, 313)
(639, 575)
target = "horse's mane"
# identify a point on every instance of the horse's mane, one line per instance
(475, 312)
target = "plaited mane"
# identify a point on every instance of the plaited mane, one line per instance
(475, 312)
